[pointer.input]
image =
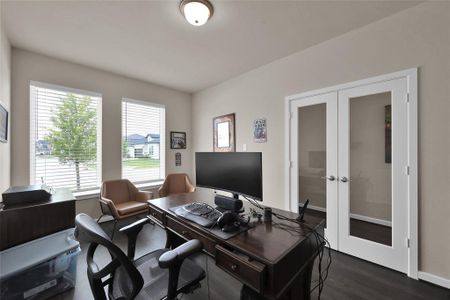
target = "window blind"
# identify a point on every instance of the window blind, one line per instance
(143, 141)
(65, 137)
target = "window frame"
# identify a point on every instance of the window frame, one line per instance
(33, 123)
(162, 139)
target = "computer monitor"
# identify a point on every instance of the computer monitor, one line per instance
(237, 172)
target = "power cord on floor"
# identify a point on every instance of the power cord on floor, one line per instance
(321, 242)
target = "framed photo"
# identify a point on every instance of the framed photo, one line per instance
(223, 133)
(260, 130)
(177, 140)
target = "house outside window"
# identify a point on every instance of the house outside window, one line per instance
(143, 141)
(65, 137)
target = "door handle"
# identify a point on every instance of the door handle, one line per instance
(330, 178)
(345, 179)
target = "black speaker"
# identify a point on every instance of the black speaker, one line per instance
(228, 203)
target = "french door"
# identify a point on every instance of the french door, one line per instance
(315, 147)
(373, 177)
(350, 155)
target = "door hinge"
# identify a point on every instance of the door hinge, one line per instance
(407, 170)
(291, 114)
(408, 243)
(291, 164)
(407, 98)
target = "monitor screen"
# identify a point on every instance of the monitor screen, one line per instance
(235, 172)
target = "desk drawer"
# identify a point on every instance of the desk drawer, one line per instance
(156, 215)
(189, 234)
(242, 267)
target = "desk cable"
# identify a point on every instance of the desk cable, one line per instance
(321, 242)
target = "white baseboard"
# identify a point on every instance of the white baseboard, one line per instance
(357, 217)
(434, 279)
(371, 220)
(318, 208)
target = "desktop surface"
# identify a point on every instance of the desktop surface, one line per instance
(267, 240)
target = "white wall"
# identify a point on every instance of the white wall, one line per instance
(29, 66)
(5, 100)
(417, 37)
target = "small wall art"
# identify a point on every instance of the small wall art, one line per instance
(178, 159)
(260, 130)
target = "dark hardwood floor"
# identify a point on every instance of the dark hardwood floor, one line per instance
(370, 231)
(349, 277)
(353, 278)
(365, 230)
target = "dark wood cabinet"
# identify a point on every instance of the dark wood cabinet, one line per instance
(28, 221)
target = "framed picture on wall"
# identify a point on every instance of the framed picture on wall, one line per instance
(177, 140)
(260, 130)
(224, 133)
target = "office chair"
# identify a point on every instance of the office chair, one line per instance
(156, 275)
(175, 184)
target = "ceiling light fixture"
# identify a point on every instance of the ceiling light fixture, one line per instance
(196, 12)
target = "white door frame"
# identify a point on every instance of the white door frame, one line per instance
(411, 77)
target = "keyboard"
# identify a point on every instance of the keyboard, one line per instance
(200, 213)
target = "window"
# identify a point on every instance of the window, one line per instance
(143, 141)
(65, 137)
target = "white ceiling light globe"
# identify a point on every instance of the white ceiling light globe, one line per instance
(196, 13)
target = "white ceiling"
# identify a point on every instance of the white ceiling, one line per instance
(150, 40)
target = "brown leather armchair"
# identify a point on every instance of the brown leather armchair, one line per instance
(176, 184)
(121, 199)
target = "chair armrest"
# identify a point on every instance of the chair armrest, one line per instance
(132, 232)
(177, 255)
(173, 260)
(143, 196)
(189, 187)
(112, 208)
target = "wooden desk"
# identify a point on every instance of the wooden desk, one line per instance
(272, 261)
(28, 221)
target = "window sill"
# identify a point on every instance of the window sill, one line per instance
(91, 194)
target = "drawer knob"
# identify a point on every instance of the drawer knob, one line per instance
(234, 267)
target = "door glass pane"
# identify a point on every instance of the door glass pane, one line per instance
(312, 157)
(370, 168)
